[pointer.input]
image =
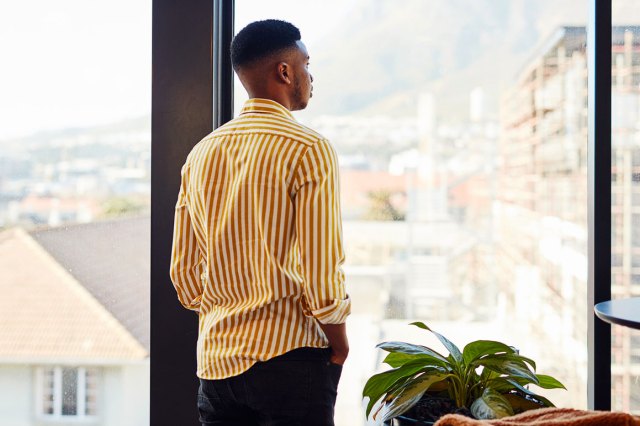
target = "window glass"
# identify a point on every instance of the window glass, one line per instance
(74, 211)
(48, 392)
(70, 391)
(91, 392)
(625, 150)
(461, 129)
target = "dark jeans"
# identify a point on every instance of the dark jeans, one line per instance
(297, 388)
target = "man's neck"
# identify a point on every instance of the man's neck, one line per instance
(279, 98)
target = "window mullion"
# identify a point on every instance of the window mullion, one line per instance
(182, 114)
(599, 152)
(40, 391)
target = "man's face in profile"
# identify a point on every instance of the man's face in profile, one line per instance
(302, 84)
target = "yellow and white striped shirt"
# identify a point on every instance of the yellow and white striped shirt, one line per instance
(257, 244)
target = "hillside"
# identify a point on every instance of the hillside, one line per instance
(385, 52)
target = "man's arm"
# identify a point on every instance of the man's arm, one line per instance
(185, 255)
(319, 232)
(337, 336)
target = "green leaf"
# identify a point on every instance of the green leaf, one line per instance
(511, 357)
(521, 403)
(453, 349)
(540, 398)
(509, 366)
(524, 358)
(548, 382)
(503, 385)
(544, 381)
(410, 393)
(379, 384)
(491, 405)
(410, 349)
(398, 359)
(529, 361)
(480, 348)
(488, 374)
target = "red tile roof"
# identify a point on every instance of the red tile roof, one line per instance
(46, 315)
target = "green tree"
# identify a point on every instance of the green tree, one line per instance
(381, 206)
(120, 206)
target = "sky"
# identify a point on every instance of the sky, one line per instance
(304, 14)
(73, 63)
(78, 63)
(315, 19)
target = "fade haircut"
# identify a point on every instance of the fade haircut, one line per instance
(260, 39)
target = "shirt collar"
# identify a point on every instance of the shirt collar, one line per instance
(265, 106)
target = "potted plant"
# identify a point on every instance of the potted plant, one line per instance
(486, 380)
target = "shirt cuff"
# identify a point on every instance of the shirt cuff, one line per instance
(193, 305)
(336, 313)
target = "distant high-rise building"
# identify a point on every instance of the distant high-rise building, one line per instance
(476, 105)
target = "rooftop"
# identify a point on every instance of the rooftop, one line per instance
(76, 293)
(111, 259)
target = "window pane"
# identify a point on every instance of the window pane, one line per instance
(461, 129)
(625, 139)
(74, 210)
(69, 391)
(91, 393)
(48, 389)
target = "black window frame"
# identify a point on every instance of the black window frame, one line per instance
(192, 93)
(599, 193)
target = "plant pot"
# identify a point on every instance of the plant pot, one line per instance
(426, 411)
(408, 421)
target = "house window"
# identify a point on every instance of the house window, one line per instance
(67, 392)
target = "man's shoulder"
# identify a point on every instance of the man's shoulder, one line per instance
(310, 132)
(268, 124)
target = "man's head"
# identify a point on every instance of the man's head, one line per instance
(272, 63)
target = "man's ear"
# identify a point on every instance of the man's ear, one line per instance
(284, 72)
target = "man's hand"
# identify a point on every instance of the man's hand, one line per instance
(337, 336)
(338, 358)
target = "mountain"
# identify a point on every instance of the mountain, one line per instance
(383, 53)
(140, 126)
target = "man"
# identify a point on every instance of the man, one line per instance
(257, 248)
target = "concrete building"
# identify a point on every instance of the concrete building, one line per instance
(541, 209)
(625, 210)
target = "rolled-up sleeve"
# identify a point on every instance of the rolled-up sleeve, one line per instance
(319, 234)
(186, 258)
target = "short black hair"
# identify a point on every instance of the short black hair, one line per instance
(260, 39)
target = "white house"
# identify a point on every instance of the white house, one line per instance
(74, 325)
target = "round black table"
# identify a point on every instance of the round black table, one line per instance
(622, 312)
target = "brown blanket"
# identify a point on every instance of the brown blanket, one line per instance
(548, 417)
